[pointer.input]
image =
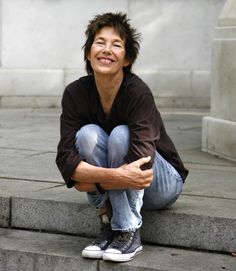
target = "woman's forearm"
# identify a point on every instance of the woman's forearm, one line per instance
(123, 177)
(88, 173)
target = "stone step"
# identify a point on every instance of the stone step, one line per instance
(34, 251)
(193, 222)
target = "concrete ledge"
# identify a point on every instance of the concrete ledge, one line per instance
(4, 212)
(55, 102)
(219, 137)
(183, 102)
(201, 222)
(190, 230)
(30, 101)
(34, 82)
(32, 251)
(32, 88)
(184, 225)
(55, 216)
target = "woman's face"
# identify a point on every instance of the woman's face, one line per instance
(107, 54)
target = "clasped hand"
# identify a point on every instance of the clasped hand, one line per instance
(126, 176)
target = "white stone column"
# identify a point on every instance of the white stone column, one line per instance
(219, 129)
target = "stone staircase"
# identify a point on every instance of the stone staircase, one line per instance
(34, 251)
(44, 225)
(46, 229)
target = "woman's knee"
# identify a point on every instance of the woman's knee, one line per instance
(119, 138)
(87, 138)
(118, 145)
(162, 199)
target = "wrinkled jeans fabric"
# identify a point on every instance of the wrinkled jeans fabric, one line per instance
(100, 149)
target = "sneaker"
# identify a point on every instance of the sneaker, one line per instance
(124, 247)
(96, 249)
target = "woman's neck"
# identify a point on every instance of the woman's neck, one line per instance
(108, 87)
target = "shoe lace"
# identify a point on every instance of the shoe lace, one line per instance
(122, 238)
(105, 233)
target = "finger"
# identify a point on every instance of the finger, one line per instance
(144, 185)
(142, 161)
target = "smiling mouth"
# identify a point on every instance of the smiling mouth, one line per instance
(105, 60)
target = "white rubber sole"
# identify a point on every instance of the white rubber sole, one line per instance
(92, 254)
(115, 256)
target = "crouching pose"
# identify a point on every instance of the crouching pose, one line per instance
(113, 143)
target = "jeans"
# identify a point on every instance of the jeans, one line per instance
(98, 148)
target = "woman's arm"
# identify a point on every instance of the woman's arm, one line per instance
(124, 177)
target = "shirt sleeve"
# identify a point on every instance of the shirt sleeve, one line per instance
(145, 124)
(67, 156)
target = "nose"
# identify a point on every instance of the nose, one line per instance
(107, 48)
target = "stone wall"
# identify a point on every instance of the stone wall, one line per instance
(219, 129)
(41, 40)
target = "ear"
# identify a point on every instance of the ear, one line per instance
(126, 63)
(88, 57)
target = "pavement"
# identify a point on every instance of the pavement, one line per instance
(201, 225)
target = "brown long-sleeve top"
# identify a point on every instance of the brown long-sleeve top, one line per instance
(133, 106)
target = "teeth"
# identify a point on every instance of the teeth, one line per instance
(105, 60)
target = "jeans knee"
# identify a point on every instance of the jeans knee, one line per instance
(118, 145)
(157, 199)
(119, 139)
(86, 139)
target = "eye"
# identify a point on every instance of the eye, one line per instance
(117, 45)
(99, 43)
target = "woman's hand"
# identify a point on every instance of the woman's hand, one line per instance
(131, 176)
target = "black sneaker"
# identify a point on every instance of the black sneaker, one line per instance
(124, 247)
(96, 249)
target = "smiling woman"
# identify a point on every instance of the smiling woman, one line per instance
(107, 55)
(113, 144)
(127, 34)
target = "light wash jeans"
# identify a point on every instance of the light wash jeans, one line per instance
(98, 148)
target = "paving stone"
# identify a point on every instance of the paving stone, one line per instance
(29, 130)
(33, 251)
(29, 165)
(218, 184)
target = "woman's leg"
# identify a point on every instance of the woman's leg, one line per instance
(166, 185)
(91, 142)
(126, 204)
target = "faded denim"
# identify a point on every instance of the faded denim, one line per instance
(103, 150)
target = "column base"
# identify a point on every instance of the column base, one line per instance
(219, 137)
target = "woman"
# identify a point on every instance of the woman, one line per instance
(113, 142)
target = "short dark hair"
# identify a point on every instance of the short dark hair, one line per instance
(121, 24)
